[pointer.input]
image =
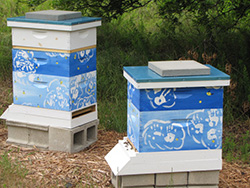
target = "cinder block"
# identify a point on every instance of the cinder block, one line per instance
(204, 178)
(115, 180)
(38, 136)
(91, 133)
(171, 179)
(138, 180)
(17, 133)
(27, 134)
(73, 140)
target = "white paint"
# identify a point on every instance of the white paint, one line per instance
(59, 40)
(125, 161)
(211, 134)
(179, 84)
(54, 26)
(46, 117)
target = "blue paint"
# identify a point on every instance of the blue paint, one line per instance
(175, 98)
(64, 22)
(142, 74)
(175, 130)
(54, 92)
(133, 124)
(53, 63)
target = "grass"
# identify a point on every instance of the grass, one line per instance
(236, 142)
(12, 173)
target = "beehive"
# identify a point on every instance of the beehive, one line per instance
(49, 69)
(172, 113)
(54, 80)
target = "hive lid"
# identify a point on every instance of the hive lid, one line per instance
(178, 68)
(54, 20)
(54, 15)
(143, 77)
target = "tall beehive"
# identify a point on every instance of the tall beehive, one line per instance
(54, 70)
(174, 124)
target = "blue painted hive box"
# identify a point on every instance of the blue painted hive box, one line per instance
(171, 113)
(54, 59)
(60, 81)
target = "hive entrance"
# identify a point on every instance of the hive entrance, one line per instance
(82, 112)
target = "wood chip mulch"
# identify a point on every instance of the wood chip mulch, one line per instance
(88, 168)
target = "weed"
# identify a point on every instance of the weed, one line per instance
(236, 146)
(229, 148)
(245, 147)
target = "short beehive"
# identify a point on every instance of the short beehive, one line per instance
(172, 113)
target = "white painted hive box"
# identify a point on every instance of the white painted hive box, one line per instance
(70, 34)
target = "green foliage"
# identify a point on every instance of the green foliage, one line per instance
(235, 148)
(107, 9)
(12, 173)
(8, 8)
(229, 148)
(245, 147)
(213, 14)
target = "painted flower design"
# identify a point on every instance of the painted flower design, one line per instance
(57, 97)
(83, 90)
(85, 55)
(205, 127)
(161, 97)
(163, 135)
(24, 61)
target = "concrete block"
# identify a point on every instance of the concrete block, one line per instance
(178, 68)
(204, 178)
(73, 140)
(171, 179)
(17, 133)
(138, 180)
(27, 134)
(115, 180)
(38, 136)
(53, 15)
(91, 133)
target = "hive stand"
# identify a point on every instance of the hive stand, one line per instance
(54, 81)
